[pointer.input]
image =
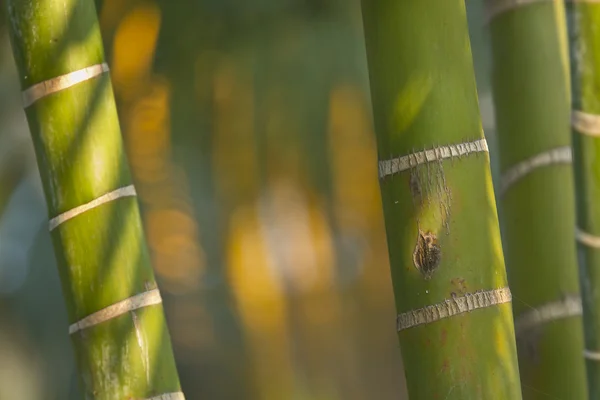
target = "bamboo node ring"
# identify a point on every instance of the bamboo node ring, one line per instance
(56, 84)
(451, 307)
(585, 123)
(587, 239)
(126, 191)
(138, 301)
(404, 163)
(591, 355)
(169, 396)
(569, 306)
(558, 155)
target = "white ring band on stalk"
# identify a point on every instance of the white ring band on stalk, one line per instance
(138, 301)
(126, 191)
(454, 306)
(169, 396)
(591, 355)
(45, 88)
(584, 123)
(559, 155)
(587, 238)
(570, 306)
(403, 163)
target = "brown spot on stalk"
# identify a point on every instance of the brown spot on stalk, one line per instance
(427, 254)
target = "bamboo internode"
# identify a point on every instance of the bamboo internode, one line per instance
(494, 8)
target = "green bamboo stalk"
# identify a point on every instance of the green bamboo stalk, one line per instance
(584, 39)
(122, 353)
(531, 96)
(455, 324)
(13, 168)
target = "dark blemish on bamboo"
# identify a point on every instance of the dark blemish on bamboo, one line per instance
(427, 254)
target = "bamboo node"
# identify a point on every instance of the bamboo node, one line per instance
(591, 355)
(169, 396)
(126, 191)
(50, 86)
(451, 307)
(587, 238)
(558, 155)
(404, 163)
(569, 306)
(585, 123)
(138, 301)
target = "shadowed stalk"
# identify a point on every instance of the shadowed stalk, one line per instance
(531, 94)
(122, 352)
(455, 324)
(584, 40)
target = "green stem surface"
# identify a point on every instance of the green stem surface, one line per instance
(424, 97)
(102, 254)
(531, 96)
(584, 40)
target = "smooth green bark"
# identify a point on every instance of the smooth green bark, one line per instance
(584, 40)
(424, 95)
(102, 254)
(531, 96)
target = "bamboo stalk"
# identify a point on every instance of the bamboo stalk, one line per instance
(531, 96)
(455, 324)
(584, 39)
(118, 327)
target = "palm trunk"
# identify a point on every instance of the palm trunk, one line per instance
(118, 328)
(531, 99)
(584, 40)
(455, 319)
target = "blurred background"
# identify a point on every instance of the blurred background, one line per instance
(248, 129)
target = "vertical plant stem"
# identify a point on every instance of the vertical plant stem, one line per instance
(455, 324)
(119, 332)
(531, 95)
(584, 40)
